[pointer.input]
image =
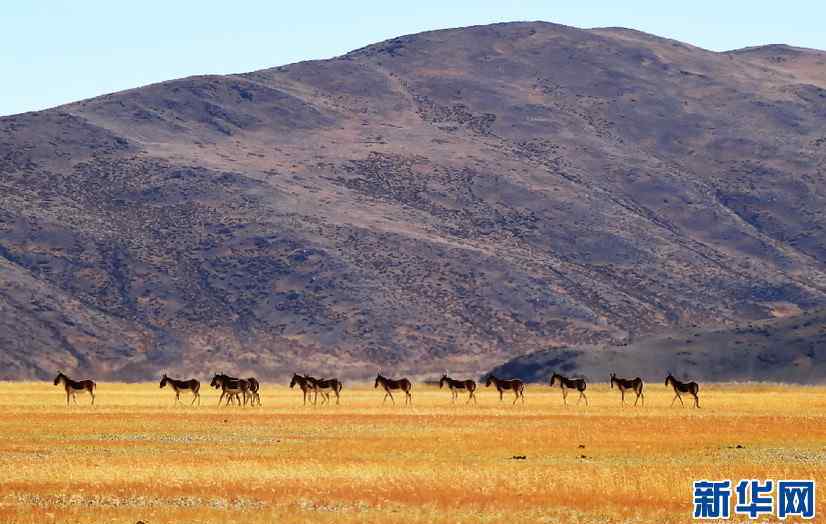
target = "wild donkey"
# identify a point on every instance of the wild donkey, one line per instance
(692, 388)
(390, 384)
(566, 383)
(635, 385)
(455, 386)
(72, 387)
(507, 384)
(183, 385)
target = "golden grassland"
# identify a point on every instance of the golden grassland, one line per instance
(135, 456)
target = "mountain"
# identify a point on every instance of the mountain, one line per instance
(786, 349)
(449, 199)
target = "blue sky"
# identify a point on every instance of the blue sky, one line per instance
(53, 52)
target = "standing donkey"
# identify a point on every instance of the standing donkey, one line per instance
(183, 385)
(566, 383)
(635, 384)
(254, 387)
(72, 387)
(324, 386)
(306, 383)
(692, 388)
(231, 388)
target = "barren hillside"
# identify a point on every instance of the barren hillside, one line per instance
(448, 199)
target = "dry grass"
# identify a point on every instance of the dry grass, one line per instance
(135, 457)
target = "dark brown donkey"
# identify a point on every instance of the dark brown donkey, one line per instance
(183, 385)
(389, 384)
(692, 388)
(306, 383)
(231, 388)
(72, 387)
(254, 387)
(566, 383)
(624, 384)
(502, 385)
(455, 386)
(325, 386)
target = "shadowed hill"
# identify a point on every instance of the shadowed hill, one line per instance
(784, 349)
(442, 200)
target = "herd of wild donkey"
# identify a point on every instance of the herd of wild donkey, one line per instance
(233, 389)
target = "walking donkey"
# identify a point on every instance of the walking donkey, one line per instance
(325, 386)
(72, 387)
(502, 385)
(566, 383)
(692, 388)
(307, 385)
(183, 385)
(624, 384)
(389, 384)
(456, 386)
(231, 388)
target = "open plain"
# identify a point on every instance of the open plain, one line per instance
(136, 457)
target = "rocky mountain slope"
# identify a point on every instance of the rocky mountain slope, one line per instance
(443, 200)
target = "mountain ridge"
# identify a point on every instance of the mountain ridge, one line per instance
(446, 199)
